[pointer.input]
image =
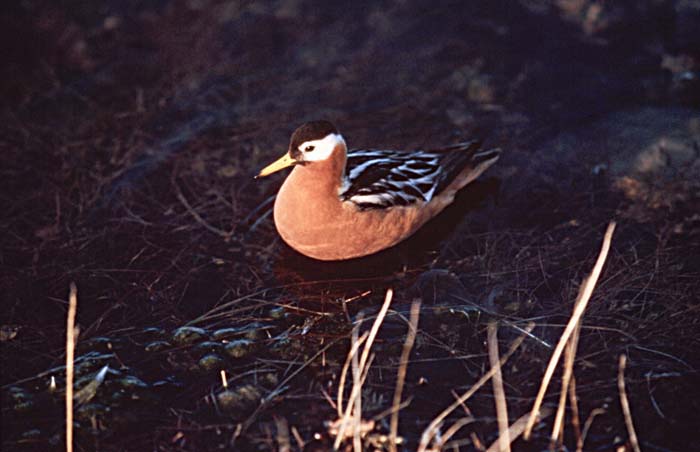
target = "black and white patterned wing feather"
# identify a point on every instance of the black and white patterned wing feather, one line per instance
(378, 179)
(382, 179)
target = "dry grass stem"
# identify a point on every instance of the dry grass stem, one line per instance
(355, 401)
(569, 356)
(499, 393)
(579, 308)
(432, 428)
(300, 441)
(454, 428)
(575, 420)
(353, 410)
(587, 426)
(198, 218)
(401, 376)
(625, 403)
(70, 356)
(356, 343)
(283, 439)
(515, 430)
(381, 415)
(281, 387)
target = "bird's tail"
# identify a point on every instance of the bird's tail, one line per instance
(481, 161)
(465, 161)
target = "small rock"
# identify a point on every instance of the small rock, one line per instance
(278, 313)
(157, 346)
(187, 335)
(240, 348)
(132, 382)
(211, 362)
(226, 333)
(207, 347)
(239, 400)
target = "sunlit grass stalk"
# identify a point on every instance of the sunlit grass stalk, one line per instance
(569, 356)
(498, 391)
(401, 376)
(579, 308)
(70, 356)
(432, 429)
(360, 371)
(516, 429)
(626, 411)
(575, 419)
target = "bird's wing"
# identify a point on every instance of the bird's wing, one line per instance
(379, 179)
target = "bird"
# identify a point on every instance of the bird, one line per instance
(338, 204)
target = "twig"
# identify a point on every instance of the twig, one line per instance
(198, 218)
(70, 352)
(498, 391)
(401, 377)
(579, 308)
(625, 403)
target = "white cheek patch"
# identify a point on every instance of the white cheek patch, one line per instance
(322, 148)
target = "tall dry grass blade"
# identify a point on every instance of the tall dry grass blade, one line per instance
(575, 419)
(401, 376)
(454, 428)
(284, 443)
(579, 308)
(362, 369)
(300, 441)
(569, 356)
(499, 393)
(517, 428)
(343, 417)
(432, 428)
(595, 412)
(625, 404)
(375, 327)
(70, 356)
(356, 401)
(344, 372)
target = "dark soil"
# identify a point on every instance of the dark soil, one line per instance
(130, 133)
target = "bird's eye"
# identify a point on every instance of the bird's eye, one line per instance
(309, 148)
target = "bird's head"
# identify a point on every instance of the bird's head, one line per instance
(313, 141)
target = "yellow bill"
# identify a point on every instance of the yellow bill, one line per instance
(281, 163)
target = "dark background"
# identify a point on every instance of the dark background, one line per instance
(130, 132)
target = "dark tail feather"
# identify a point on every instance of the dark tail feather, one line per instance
(462, 155)
(485, 155)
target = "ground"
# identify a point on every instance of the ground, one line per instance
(131, 133)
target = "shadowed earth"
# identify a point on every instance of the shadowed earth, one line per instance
(131, 130)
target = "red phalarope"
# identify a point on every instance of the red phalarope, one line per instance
(338, 204)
